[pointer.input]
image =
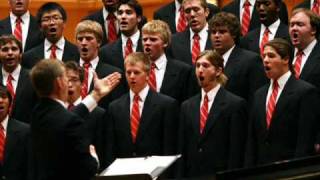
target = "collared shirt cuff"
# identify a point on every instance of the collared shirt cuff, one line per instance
(89, 102)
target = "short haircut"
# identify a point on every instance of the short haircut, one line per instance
(48, 7)
(133, 4)
(314, 18)
(203, 3)
(5, 93)
(72, 65)
(228, 20)
(8, 38)
(90, 26)
(44, 74)
(158, 26)
(283, 48)
(217, 61)
(136, 57)
(277, 2)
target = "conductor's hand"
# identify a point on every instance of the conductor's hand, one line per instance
(104, 86)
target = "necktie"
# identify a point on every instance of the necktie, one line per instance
(85, 84)
(264, 40)
(2, 143)
(135, 117)
(182, 21)
(18, 29)
(245, 18)
(53, 49)
(297, 64)
(152, 77)
(195, 48)
(10, 86)
(204, 113)
(315, 7)
(128, 49)
(70, 106)
(272, 102)
(112, 32)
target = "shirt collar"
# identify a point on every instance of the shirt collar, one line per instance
(105, 13)
(14, 74)
(76, 102)
(177, 5)
(282, 80)
(142, 94)
(60, 44)
(272, 28)
(94, 62)
(25, 17)
(203, 33)
(134, 38)
(308, 49)
(161, 61)
(211, 94)
(226, 55)
(252, 2)
(61, 102)
(4, 123)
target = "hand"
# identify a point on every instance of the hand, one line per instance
(317, 148)
(104, 86)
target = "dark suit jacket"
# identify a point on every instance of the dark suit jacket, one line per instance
(305, 4)
(251, 40)
(26, 98)
(98, 17)
(180, 47)
(102, 71)
(34, 55)
(177, 81)
(95, 129)
(292, 130)
(245, 73)
(167, 13)
(311, 69)
(16, 152)
(221, 145)
(234, 8)
(34, 37)
(156, 132)
(59, 145)
(112, 53)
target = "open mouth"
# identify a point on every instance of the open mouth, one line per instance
(53, 30)
(84, 50)
(267, 68)
(201, 78)
(262, 15)
(147, 50)
(70, 92)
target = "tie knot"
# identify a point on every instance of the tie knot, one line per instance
(266, 30)
(196, 36)
(299, 53)
(129, 42)
(18, 20)
(153, 66)
(275, 84)
(316, 2)
(111, 17)
(10, 77)
(136, 98)
(206, 99)
(246, 3)
(86, 65)
(1, 127)
(181, 10)
(53, 47)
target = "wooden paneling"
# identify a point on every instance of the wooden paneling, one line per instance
(76, 9)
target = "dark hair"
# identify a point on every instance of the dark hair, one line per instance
(5, 93)
(277, 3)
(51, 6)
(72, 65)
(134, 5)
(43, 75)
(8, 38)
(314, 19)
(283, 48)
(228, 20)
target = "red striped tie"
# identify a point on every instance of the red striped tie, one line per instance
(53, 54)
(18, 29)
(85, 83)
(204, 113)
(315, 7)
(272, 102)
(2, 143)
(135, 117)
(10, 86)
(195, 48)
(264, 40)
(152, 77)
(112, 32)
(297, 64)
(182, 21)
(245, 18)
(128, 49)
